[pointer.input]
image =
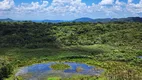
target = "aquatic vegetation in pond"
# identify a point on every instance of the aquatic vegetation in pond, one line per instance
(79, 69)
(60, 66)
(44, 71)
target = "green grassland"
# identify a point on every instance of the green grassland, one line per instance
(117, 63)
(114, 47)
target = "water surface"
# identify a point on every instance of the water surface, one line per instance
(140, 57)
(44, 70)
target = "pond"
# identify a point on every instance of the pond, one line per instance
(140, 57)
(44, 70)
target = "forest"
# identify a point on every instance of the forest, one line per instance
(115, 47)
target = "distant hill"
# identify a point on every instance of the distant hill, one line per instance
(129, 19)
(86, 19)
(7, 19)
(53, 21)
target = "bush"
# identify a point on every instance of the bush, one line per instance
(5, 70)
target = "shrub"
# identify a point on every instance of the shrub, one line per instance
(5, 70)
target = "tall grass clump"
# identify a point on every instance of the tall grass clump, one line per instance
(5, 69)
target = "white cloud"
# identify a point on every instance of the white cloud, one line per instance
(32, 6)
(106, 2)
(6, 4)
(68, 9)
(140, 2)
(32, 9)
(134, 8)
(130, 1)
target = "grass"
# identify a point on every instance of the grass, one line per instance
(54, 78)
(117, 62)
(60, 66)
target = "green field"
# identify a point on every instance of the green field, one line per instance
(117, 62)
(114, 47)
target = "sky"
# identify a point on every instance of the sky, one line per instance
(69, 9)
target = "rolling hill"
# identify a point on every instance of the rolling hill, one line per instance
(85, 19)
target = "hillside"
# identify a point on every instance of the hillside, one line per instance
(115, 47)
(107, 33)
(24, 34)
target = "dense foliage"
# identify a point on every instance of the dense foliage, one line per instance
(34, 35)
(5, 69)
(24, 34)
(114, 46)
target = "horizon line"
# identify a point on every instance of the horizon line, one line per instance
(70, 19)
